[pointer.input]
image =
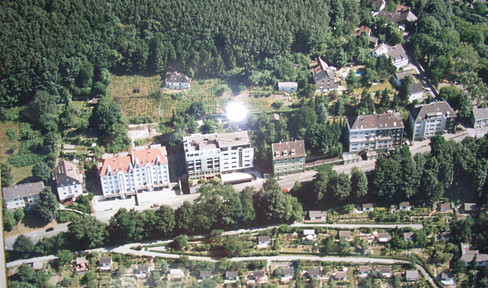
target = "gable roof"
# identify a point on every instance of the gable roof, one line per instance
(401, 75)
(341, 275)
(105, 260)
(298, 146)
(315, 271)
(263, 239)
(416, 88)
(412, 274)
(142, 269)
(420, 112)
(22, 190)
(231, 274)
(405, 204)
(469, 207)
(67, 171)
(378, 121)
(317, 214)
(480, 113)
(176, 77)
(205, 274)
(397, 52)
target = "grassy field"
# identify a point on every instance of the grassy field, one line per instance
(6, 150)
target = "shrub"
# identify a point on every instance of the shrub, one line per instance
(11, 134)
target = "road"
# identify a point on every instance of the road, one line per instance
(357, 226)
(37, 234)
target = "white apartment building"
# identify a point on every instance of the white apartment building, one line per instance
(374, 132)
(69, 181)
(431, 119)
(143, 169)
(211, 155)
(22, 195)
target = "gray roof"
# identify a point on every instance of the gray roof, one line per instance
(364, 269)
(198, 142)
(384, 270)
(105, 260)
(378, 121)
(298, 146)
(22, 190)
(405, 204)
(317, 214)
(407, 235)
(416, 88)
(263, 239)
(397, 52)
(314, 271)
(401, 75)
(143, 269)
(469, 207)
(420, 112)
(288, 271)
(231, 274)
(341, 275)
(412, 274)
(367, 205)
(176, 77)
(205, 274)
(480, 113)
(288, 84)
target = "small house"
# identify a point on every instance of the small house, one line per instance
(404, 206)
(469, 208)
(231, 275)
(412, 275)
(205, 274)
(257, 277)
(408, 236)
(316, 215)
(397, 79)
(384, 237)
(340, 275)
(345, 235)
(264, 241)
(142, 271)
(274, 117)
(479, 117)
(80, 264)
(445, 207)
(288, 87)
(363, 271)
(105, 263)
(175, 274)
(314, 273)
(176, 80)
(288, 274)
(385, 272)
(37, 265)
(309, 236)
(447, 279)
(416, 91)
(367, 207)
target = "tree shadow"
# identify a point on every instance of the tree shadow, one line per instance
(32, 220)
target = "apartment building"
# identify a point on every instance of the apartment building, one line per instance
(374, 132)
(142, 169)
(211, 155)
(431, 119)
(288, 157)
(69, 181)
(22, 195)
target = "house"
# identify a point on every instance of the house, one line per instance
(316, 215)
(264, 241)
(363, 271)
(444, 207)
(22, 195)
(143, 169)
(398, 56)
(175, 274)
(37, 265)
(416, 91)
(469, 208)
(479, 117)
(412, 275)
(444, 236)
(381, 49)
(324, 76)
(314, 273)
(257, 277)
(69, 181)
(288, 273)
(403, 16)
(431, 119)
(105, 263)
(345, 235)
(482, 260)
(397, 78)
(142, 271)
(447, 279)
(288, 157)
(80, 264)
(367, 207)
(404, 206)
(374, 132)
(385, 272)
(231, 275)
(469, 255)
(384, 237)
(288, 87)
(340, 275)
(211, 155)
(309, 236)
(205, 274)
(371, 155)
(176, 80)
(408, 236)
(274, 117)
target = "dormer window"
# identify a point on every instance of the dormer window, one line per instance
(293, 152)
(277, 153)
(285, 153)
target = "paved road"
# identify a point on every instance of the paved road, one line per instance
(356, 226)
(31, 260)
(37, 234)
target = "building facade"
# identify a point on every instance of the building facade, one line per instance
(176, 80)
(374, 132)
(69, 181)
(288, 87)
(431, 119)
(288, 157)
(211, 155)
(22, 195)
(479, 117)
(143, 169)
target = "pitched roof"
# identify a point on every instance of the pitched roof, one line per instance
(205, 274)
(469, 207)
(139, 156)
(384, 270)
(291, 149)
(378, 121)
(416, 88)
(315, 271)
(81, 260)
(341, 275)
(22, 190)
(143, 269)
(105, 260)
(317, 214)
(367, 205)
(397, 52)
(405, 204)
(176, 77)
(480, 113)
(364, 269)
(407, 235)
(288, 271)
(67, 171)
(345, 234)
(412, 274)
(288, 84)
(263, 239)
(420, 112)
(231, 274)
(401, 75)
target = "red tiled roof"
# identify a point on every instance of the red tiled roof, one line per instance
(123, 161)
